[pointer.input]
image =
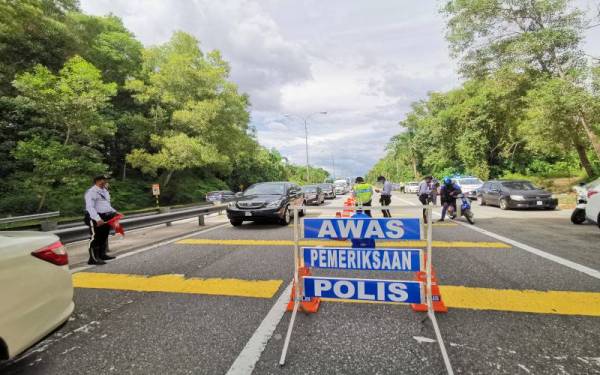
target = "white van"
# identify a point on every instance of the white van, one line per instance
(341, 186)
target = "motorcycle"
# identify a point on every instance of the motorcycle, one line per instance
(578, 215)
(465, 208)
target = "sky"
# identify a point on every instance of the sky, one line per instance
(362, 62)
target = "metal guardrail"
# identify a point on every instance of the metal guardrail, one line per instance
(15, 219)
(81, 232)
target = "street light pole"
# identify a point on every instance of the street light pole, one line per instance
(305, 119)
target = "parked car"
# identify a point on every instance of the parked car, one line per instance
(469, 185)
(220, 196)
(37, 290)
(313, 194)
(411, 187)
(341, 187)
(592, 208)
(329, 190)
(266, 201)
(509, 194)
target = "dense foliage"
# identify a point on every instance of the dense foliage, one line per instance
(530, 102)
(80, 96)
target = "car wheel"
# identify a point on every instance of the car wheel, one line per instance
(598, 220)
(286, 217)
(236, 223)
(302, 212)
(503, 204)
(481, 201)
(578, 216)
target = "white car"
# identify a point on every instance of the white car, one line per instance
(36, 289)
(592, 209)
(411, 187)
(469, 186)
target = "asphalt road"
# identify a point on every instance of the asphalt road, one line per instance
(215, 305)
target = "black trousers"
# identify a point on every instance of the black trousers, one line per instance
(386, 200)
(98, 236)
(425, 199)
(367, 212)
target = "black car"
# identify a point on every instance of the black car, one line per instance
(329, 190)
(266, 201)
(313, 194)
(515, 194)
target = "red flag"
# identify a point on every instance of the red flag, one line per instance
(114, 224)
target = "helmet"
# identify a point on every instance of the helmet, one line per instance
(447, 181)
(359, 180)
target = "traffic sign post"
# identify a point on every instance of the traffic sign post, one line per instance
(362, 231)
(156, 193)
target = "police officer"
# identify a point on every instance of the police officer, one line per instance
(386, 195)
(363, 193)
(97, 212)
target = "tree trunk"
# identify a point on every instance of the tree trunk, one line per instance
(583, 158)
(414, 167)
(593, 138)
(68, 135)
(168, 178)
(124, 175)
(42, 202)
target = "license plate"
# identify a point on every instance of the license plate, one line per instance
(248, 213)
(540, 203)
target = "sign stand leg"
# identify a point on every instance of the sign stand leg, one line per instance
(297, 296)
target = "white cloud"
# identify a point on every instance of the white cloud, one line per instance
(363, 62)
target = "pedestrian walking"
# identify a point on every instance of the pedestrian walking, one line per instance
(363, 193)
(386, 195)
(424, 194)
(435, 186)
(97, 212)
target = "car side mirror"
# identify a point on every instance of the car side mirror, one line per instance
(239, 194)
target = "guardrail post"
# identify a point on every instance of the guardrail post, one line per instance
(165, 210)
(48, 225)
(201, 220)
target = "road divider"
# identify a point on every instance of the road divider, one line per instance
(177, 284)
(402, 243)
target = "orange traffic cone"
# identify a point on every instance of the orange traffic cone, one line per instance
(311, 305)
(436, 297)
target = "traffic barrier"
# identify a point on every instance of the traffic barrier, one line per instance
(363, 231)
(308, 305)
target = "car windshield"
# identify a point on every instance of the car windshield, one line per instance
(470, 181)
(310, 189)
(519, 185)
(265, 189)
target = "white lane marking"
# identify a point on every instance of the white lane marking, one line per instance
(530, 249)
(153, 246)
(246, 360)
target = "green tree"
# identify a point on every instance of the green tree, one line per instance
(71, 102)
(46, 165)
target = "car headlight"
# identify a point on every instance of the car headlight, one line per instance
(231, 204)
(517, 197)
(554, 196)
(274, 204)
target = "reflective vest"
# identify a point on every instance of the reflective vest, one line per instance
(363, 192)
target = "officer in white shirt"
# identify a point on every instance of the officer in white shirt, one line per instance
(97, 212)
(386, 195)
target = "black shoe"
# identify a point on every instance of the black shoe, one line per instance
(440, 220)
(107, 257)
(96, 262)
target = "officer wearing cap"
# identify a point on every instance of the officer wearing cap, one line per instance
(97, 212)
(363, 193)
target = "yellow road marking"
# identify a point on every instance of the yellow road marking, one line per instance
(177, 284)
(461, 244)
(524, 301)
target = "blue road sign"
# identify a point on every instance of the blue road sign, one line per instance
(408, 260)
(352, 228)
(363, 289)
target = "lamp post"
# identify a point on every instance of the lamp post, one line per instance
(305, 119)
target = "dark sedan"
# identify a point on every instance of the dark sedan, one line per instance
(313, 194)
(329, 190)
(266, 201)
(508, 194)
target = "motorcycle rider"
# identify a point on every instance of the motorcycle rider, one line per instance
(448, 193)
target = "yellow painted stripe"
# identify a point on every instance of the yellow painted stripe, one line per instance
(450, 244)
(177, 284)
(524, 301)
